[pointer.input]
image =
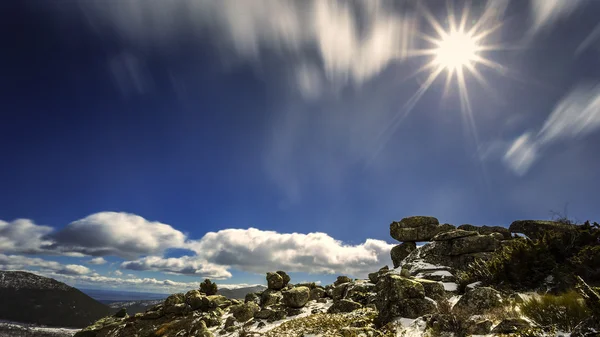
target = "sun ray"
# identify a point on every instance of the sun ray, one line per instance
(464, 17)
(447, 84)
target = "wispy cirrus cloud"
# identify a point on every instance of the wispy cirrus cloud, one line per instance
(576, 115)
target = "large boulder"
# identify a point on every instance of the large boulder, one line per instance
(296, 297)
(419, 228)
(472, 244)
(478, 301)
(252, 297)
(343, 306)
(451, 235)
(270, 297)
(286, 278)
(432, 289)
(535, 229)
(485, 230)
(398, 296)
(275, 281)
(399, 252)
(194, 299)
(244, 312)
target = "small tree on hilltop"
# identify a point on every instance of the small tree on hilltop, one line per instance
(208, 287)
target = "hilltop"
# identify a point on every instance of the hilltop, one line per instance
(467, 280)
(31, 298)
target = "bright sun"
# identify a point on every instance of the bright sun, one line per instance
(456, 50)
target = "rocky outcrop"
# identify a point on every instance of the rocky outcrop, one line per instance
(417, 228)
(535, 229)
(341, 280)
(270, 297)
(399, 252)
(399, 296)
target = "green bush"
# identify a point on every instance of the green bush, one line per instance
(521, 264)
(525, 264)
(563, 311)
(208, 287)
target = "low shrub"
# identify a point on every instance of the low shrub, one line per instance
(208, 287)
(563, 311)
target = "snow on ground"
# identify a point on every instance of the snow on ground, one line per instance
(306, 311)
(450, 286)
(15, 329)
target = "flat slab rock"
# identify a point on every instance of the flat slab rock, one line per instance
(417, 229)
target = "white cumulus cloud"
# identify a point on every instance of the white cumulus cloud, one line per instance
(121, 234)
(23, 236)
(258, 251)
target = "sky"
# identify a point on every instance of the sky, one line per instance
(147, 145)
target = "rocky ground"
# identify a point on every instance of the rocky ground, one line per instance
(418, 297)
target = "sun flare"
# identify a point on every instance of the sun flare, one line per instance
(456, 50)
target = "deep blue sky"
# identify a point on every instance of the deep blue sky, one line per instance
(172, 114)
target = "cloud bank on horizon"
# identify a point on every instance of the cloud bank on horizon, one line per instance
(142, 244)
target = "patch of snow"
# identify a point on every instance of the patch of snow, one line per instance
(441, 273)
(474, 285)
(454, 299)
(450, 286)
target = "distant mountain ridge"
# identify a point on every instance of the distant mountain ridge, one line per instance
(31, 298)
(240, 293)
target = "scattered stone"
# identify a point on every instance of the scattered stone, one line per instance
(433, 289)
(478, 301)
(293, 311)
(274, 281)
(374, 277)
(261, 325)
(270, 297)
(121, 313)
(363, 332)
(214, 301)
(317, 293)
(322, 300)
(343, 306)
(286, 278)
(296, 297)
(339, 291)
(230, 321)
(264, 313)
(511, 325)
(244, 312)
(342, 280)
(252, 297)
(478, 326)
(401, 251)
